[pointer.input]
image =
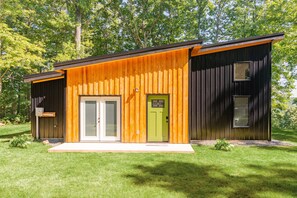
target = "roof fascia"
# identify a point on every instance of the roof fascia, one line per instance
(214, 48)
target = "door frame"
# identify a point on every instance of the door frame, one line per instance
(82, 119)
(97, 98)
(102, 137)
(151, 94)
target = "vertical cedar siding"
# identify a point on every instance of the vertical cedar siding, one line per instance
(49, 95)
(161, 73)
(212, 89)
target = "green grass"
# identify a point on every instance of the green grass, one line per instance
(243, 172)
(8, 131)
(285, 135)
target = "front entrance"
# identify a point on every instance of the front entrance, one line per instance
(100, 119)
(157, 118)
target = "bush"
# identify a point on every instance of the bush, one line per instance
(21, 141)
(14, 119)
(285, 119)
(289, 120)
(222, 144)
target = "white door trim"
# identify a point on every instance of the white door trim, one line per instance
(100, 118)
(83, 136)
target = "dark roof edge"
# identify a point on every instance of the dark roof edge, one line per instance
(127, 54)
(254, 38)
(42, 76)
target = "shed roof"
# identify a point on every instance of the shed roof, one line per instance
(196, 45)
(238, 43)
(126, 54)
(43, 76)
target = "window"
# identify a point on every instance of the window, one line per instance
(241, 111)
(158, 103)
(242, 71)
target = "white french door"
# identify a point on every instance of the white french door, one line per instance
(100, 118)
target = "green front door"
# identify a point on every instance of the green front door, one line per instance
(157, 118)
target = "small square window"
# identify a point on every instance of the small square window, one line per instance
(242, 71)
(241, 111)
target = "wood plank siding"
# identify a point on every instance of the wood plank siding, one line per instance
(162, 73)
(49, 95)
(212, 89)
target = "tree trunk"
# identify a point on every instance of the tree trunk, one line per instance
(0, 84)
(19, 99)
(78, 16)
(0, 68)
(201, 9)
(2, 74)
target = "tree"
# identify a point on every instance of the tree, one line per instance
(218, 20)
(17, 51)
(202, 8)
(36, 33)
(79, 11)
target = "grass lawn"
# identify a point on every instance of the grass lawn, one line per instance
(12, 130)
(243, 172)
(285, 135)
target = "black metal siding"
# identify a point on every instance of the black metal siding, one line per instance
(212, 89)
(49, 95)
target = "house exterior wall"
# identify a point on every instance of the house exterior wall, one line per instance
(49, 95)
(212, 89)
(163, 73)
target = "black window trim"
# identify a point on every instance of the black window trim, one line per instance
(242, 80)
(241, 96)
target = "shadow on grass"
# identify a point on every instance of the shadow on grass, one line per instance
(279, 148)
(285, 135)
(15, 134)
(210, 181)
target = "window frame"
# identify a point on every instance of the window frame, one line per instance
(242, 80)
(241, 96)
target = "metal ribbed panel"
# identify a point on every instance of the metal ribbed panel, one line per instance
(49, 95)
(212, 89)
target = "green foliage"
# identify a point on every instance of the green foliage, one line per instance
(15, 97)
(21, 141)
(289, 120)
(294, 101)
(285, 119)
(17, 50)
(14, 119)
(223, 145)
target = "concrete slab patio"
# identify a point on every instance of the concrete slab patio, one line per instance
(123, 147)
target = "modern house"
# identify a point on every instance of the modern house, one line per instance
(173, 93)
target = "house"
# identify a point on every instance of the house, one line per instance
(173, 93)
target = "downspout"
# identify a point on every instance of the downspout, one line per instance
(189, 93)
(65, 106)
(269, 88)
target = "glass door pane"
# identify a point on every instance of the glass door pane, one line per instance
(89, 109)
(100, 118)
(111, 118)
(90, 118)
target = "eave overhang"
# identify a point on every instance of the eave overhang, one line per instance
(43, 77)
(239, 43)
